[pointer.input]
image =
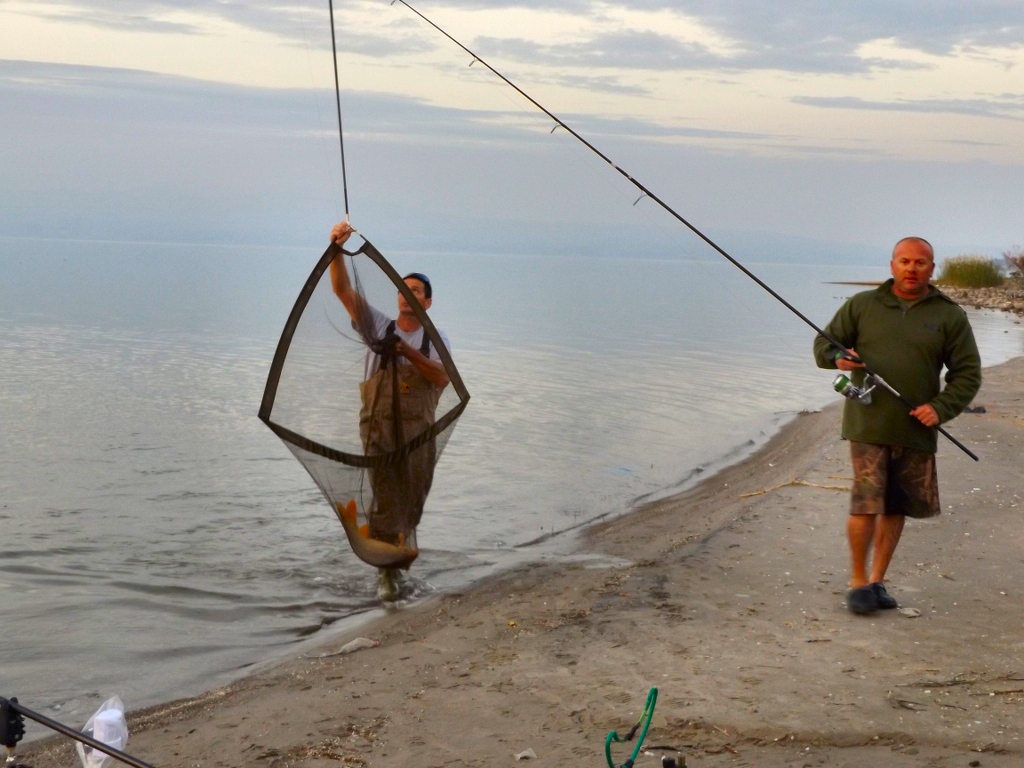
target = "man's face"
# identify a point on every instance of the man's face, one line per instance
(419, 291)
(912, 268)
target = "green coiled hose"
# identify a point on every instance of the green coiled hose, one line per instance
(644, 722)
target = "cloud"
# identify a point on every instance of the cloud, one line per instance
(380, 46)
(596, 83)
(300, 21)
(642, 129)
(626, 49)
(133, 96)
(1009, 108)
(969, 142)
(99, 152)
(128, 22)
(936, 26)
(795, 36)
(632, 49)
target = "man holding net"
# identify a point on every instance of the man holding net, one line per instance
(908, 331)
(403, 380)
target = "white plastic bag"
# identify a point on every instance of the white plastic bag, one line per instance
(357, 645)
(107, 725)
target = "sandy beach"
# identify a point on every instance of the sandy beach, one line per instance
(728, 598)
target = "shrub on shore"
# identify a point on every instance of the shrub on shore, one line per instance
(1014, 259)
(971, 271)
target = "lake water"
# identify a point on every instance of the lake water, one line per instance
(156, 539)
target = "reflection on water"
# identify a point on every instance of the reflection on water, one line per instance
(156, 537)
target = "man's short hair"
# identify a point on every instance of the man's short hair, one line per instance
(427, 290)
(914, 239)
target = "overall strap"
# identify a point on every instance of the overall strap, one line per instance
(386, 354)
(424, 345)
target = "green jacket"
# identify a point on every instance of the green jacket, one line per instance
(908, 348)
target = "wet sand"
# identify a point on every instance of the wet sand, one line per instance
(730, 603)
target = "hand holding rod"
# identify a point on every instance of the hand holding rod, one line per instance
(71, 733)
(886, 385)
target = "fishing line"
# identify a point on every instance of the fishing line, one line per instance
(316, 99)
(648, 193)
(337, 95)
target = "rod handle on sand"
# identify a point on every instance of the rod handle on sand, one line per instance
(71, 733)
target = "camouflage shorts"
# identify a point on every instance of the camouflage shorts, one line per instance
(893, 480)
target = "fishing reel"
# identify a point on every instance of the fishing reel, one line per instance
(12, 730)
(851, 391)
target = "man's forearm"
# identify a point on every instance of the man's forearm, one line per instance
(343, 287)
(824, 353)
(961, 387)
(432, 370)
(843, 328)
(963, 377)
(339, 276)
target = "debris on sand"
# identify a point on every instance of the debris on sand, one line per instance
(795, 481)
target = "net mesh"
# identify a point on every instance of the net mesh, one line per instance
(367, 426)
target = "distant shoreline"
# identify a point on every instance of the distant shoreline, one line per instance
(1008, 297)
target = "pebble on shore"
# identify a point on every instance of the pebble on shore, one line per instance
(1008, 297)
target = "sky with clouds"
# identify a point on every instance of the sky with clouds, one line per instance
(849, 122)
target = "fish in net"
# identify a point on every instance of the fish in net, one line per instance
(364, 393)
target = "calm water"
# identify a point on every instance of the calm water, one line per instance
(156, 538)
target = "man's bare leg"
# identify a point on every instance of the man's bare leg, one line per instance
(888, 530)
(860, 531)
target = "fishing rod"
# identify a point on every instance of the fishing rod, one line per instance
(645, 192)
(337, 99)
(12, 729)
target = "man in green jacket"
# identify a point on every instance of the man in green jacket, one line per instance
(906, 330)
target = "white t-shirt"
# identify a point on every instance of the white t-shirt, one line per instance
(414, 340)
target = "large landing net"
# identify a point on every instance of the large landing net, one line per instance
(366, 426)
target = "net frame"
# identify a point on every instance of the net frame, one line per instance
(357, 460)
